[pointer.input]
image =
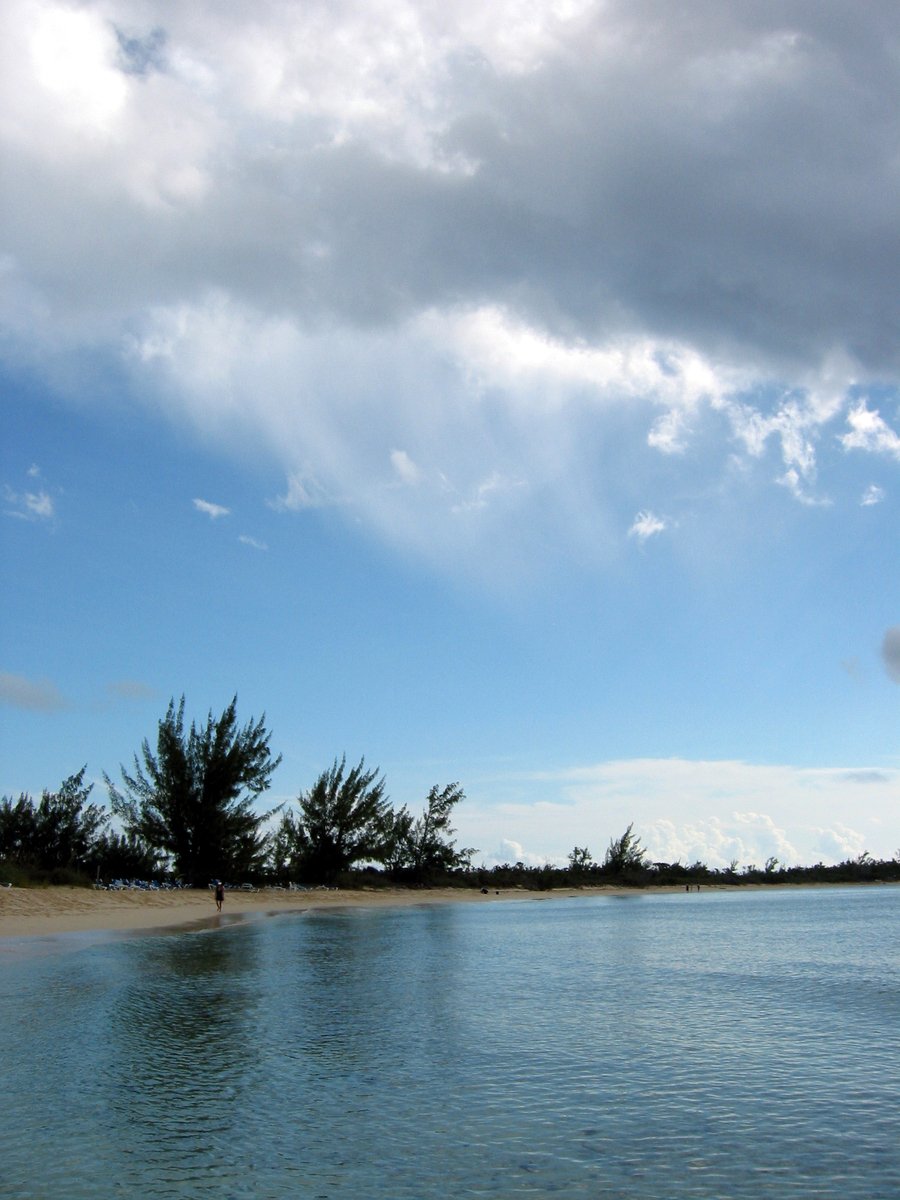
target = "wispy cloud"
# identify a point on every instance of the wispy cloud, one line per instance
(213, 511)
(647, 525)
(890, 652)
(34, 695)
(131, 689)
(30, 504)
(254, 543)
(302, 492)
(404, 467)
(872, 495)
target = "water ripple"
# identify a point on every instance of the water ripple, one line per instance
(745, 1048)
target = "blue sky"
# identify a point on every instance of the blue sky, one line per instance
(509, 397)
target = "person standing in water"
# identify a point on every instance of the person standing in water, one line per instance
(220, 894)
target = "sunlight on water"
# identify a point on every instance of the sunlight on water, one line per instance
(713, 1046)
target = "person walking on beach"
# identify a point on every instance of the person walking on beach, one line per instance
(220, 894)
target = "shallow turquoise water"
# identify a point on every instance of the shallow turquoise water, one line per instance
(712, 1046)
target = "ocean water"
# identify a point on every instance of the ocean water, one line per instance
(721, 1045)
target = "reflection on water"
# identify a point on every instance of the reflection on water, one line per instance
(743, 1046)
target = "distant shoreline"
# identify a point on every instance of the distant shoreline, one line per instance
(41, 912)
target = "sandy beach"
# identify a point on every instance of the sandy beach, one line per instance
(33, 912)
(36, 912)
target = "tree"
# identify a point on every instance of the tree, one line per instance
(426, 846)
(122, 856)
(60, 830)
(580, 859)
(193, 798)
(624, 853)
(344, 818)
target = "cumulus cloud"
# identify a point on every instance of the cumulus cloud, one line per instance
(869, 431)
(32, 695)
(511, 852)
(390, 243)
(686, 811)
(890, 652)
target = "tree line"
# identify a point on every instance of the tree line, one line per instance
(186, 810)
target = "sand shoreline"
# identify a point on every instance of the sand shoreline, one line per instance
(40, 912)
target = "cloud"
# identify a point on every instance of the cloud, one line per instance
(31, 695)
(872, 495)
(508, 851)
(132, 689)
(30, 505)
(406, 470)
(646, 525)
(393, 244)
(871, 776)
(870, 432)
(686, 810)
(213, 511)
(301, 493)
(890, 652)
(254, 543)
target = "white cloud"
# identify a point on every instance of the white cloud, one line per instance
(507, 851)
(72, 52)
(794, 482)
(686, 811)
(254, 543)
(213, 511)
(404, 467)
(872, 495)
(29, 505)
(301, 493)
(869, 431)
(646, 525)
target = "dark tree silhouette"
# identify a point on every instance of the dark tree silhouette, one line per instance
(426, 847)
(343, 819)
(59, 830)
(624, 853)
(193, 798)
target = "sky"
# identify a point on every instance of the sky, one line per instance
(504, 394)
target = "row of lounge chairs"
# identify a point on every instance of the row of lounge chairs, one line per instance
(138, 885)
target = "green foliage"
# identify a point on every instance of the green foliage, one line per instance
(61, 830)
(343, 819)
(624, 853)
(424, 847)
(193, 798)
